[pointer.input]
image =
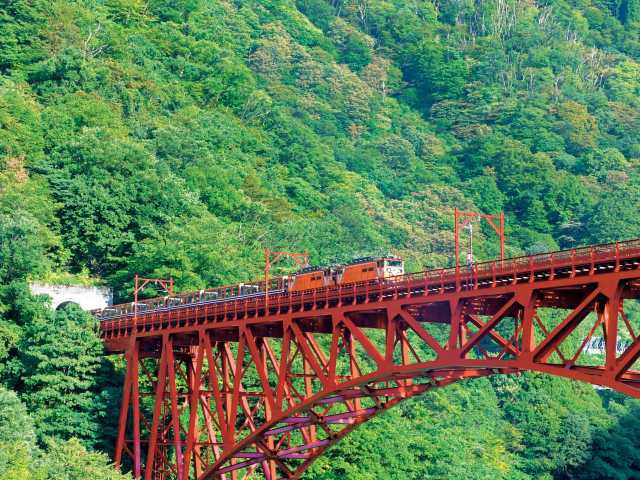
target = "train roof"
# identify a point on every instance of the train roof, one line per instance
(355, 261)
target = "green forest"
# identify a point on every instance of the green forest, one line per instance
(182, 137)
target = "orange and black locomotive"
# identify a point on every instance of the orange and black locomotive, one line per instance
(358, 270)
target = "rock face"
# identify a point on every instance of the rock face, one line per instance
(88, 298)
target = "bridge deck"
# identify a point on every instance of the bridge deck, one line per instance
(557, 270)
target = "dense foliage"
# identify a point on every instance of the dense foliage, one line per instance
(181, 137)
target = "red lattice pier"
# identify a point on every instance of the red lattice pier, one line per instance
(252, 387)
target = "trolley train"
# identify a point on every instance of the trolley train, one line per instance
(381, 268)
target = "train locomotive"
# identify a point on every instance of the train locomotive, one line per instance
(366, 269)
(358, 270)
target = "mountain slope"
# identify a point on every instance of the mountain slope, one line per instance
(181, 137)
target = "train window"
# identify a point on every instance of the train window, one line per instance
(394, 263)
(248, 289)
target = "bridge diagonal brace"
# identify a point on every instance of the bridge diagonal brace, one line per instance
(159, 398)
(283, 389)
(283, 368)
(173, 399)
(309, 355)
(503, 342)
(542, 353)
(599, 321)
(488, 327)
(261, 367)
(217, 394)
(420, 331)
(320, 355)
(194, 397)
(124, 404)
(336, 336)
(364, 341)
(627, 324)
(238, 373)
(626, 360)
(545, 331)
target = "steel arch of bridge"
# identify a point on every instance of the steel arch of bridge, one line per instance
(232, 389)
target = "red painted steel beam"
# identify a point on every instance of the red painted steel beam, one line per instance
(324, 362)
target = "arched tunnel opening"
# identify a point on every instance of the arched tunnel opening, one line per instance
(66, 304)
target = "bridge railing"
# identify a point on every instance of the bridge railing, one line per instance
(217, 299)
(587, 257)
(525, 264)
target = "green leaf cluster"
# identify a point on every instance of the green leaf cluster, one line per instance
(182, 137)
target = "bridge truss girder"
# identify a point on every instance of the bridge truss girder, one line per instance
(208, 397)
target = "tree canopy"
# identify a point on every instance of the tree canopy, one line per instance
(182, 137)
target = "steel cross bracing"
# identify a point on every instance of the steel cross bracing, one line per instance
(229, 390)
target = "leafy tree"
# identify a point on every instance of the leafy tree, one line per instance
(70, 460)
(22, 249)
(60, 354)
(17, 438)
(356, 48)
(577, 126)
(552, 415)
(10, 335)
(615, 216)
(614, 451)
(437, 72)
(629, 11)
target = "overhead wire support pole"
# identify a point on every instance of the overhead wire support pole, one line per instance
(464, 219)
(456, 236)
(165, 284)
(501, 233)
(270, 259)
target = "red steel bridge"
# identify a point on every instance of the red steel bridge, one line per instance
(264, 384)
